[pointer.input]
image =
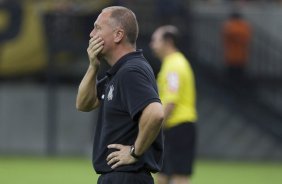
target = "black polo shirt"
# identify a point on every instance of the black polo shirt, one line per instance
(126, 90)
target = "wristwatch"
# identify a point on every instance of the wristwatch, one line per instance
(132, 152)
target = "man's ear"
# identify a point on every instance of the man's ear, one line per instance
(119, 34)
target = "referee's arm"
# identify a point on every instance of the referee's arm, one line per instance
(150, 124)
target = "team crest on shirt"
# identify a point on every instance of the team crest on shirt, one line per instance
(110, 94)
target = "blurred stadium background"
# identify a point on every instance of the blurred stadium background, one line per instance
(43, 58)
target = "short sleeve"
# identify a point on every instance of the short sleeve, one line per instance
(138, 90)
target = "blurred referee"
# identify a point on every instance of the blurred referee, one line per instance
(177, 92)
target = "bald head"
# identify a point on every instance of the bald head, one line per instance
(126, 19)
(165, 40)
(170, 33)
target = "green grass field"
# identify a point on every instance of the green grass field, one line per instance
(28, 170)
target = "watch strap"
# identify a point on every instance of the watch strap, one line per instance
(132, 152)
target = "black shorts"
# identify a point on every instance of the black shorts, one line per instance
(126, 178)
(179, 150)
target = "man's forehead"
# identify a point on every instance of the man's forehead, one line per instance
(103, 16)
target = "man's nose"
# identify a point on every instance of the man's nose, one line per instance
(91, 34)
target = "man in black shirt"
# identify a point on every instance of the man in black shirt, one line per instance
(128, 143)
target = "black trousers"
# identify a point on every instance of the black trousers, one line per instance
(126, 178)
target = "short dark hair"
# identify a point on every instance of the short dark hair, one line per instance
(171, 33)
(127, 20)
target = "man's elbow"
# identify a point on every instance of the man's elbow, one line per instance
(82, 107)
(158, 113)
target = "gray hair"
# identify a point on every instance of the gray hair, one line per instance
(126, 19)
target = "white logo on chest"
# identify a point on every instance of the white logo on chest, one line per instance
(110, 94)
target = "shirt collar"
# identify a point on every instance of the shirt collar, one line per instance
(114, 69)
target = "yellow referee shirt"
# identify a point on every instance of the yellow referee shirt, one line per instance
(176, 85)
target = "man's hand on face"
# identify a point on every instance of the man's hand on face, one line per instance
(96, 45)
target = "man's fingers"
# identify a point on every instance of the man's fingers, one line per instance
(90, 41)
(93, 52)
(116, 165)
(96, 48)
(112, 155)
(94, 45)
(113, 160)
(119, 157)
(115, 146)
(93, 41)
(99, 50)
